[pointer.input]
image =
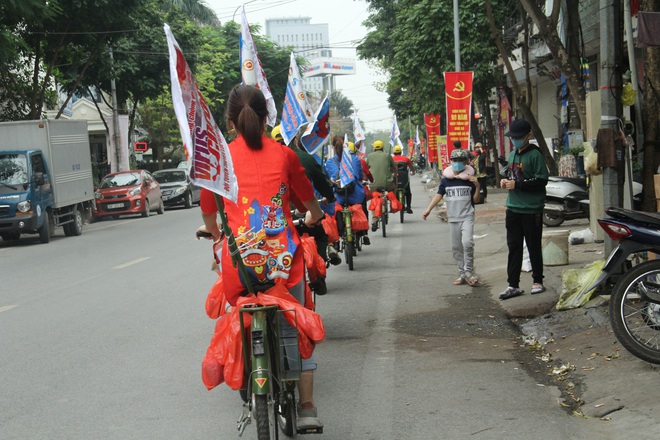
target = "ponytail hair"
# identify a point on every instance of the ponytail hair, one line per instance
(338, 144)
(246, 109)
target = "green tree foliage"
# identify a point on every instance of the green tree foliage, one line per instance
(412, 40)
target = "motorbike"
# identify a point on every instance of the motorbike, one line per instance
(634, 307)
(566, 198)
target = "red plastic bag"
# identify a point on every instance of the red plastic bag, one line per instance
(330, 227)
(359, 220)
(395, 204)
(376, 204)
(215, 301)
(224, 357)
(367, 193)
(313, 261)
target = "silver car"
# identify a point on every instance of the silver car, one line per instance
(177, 188)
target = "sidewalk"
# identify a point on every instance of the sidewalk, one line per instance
(576, 348)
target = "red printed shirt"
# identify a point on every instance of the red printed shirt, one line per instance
(268, 180)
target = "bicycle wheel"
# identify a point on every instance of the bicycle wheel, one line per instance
(264, 413)
(286, 415)
(383, 218)
(402, 212)
(349, 250)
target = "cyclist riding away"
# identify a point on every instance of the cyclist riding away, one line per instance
(322, 186)
(367, 178)
(269, 177)
(382, 167)
(403, 166)
(355, 189)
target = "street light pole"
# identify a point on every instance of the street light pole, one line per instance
(457, 39)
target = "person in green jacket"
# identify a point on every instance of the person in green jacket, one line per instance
(382, 168)
(528, 176)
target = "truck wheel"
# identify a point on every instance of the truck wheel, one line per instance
(44, 230)
(147, 209)
(74, 228)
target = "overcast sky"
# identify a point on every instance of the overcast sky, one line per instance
(344, 18)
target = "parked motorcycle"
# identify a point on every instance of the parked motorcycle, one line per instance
(635, 298)
(566, 198)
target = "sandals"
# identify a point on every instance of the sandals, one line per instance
(472, 280)
(459, 281)
(469, 279)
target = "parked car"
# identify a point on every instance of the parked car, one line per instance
(177, 187)
(128, 192)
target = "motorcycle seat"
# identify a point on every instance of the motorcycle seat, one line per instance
(647, 218)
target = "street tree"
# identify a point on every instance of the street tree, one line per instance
(408, 40)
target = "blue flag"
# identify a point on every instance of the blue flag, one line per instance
(296, 108)
(318, 131)
(346, 171)
(293, 116)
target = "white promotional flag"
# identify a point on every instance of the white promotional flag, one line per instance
(394, 135)
(357, 129)
(252, 72)
(211, 164)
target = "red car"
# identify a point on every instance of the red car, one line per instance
(128, 192)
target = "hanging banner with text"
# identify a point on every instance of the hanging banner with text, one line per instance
(432, 123)
(458, 93)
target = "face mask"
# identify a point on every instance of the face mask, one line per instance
(518, 143)
(458, 166)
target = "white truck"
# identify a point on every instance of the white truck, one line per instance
(45, 178)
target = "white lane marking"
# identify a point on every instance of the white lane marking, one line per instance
(5, 308)
(130, 263)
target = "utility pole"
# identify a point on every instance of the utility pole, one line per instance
(611, 109)
(457, 39)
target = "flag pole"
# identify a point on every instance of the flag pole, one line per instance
(233, 247)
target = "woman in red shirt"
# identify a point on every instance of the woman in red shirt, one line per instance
(270, 176)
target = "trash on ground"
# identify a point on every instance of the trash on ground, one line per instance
(574, 284)
(581, 237)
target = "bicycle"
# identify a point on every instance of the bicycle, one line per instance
(348, 240)
(384, 216)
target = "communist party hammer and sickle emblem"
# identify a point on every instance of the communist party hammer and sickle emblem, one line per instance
(459, 86)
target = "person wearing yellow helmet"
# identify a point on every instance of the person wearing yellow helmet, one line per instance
(276, 134)
(403, 165)
(382, 168)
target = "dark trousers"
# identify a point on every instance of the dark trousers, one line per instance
(524, 228)
(483, 184)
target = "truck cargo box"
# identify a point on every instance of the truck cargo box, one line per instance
(65, 146)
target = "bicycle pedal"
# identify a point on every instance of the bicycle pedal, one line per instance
(244, 419)
(318, 430)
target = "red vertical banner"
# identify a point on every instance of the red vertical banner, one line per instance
(432, 123)
(411, 148)
(458, 94)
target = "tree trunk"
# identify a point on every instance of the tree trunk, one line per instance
(524, 107)
(548, 32)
